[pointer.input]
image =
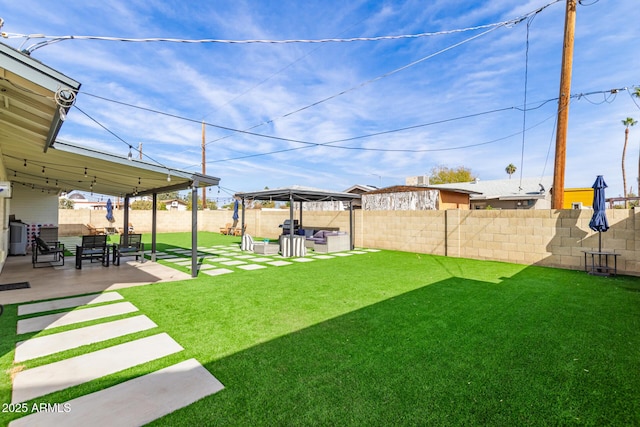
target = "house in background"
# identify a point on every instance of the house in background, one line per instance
(578, 198)
(174, 204)
(359, 189)
(525, 193)
(407, 197)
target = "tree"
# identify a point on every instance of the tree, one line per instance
(511, 169)
(444, 175)
(627, 123)
(64, 203)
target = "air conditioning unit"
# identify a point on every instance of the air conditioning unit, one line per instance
(17, 238)
(5, 189)
(423, 180)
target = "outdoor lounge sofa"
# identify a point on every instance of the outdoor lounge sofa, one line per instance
(92, 248)
(325, 241)
(131, 246)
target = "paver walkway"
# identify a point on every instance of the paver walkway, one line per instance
(225, 259)
(55, 343)
(133, 402)
(51, 321)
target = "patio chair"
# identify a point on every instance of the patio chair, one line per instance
(226, 229)
(46, 254)
(238, 231)
(94, 231)
(93, 248)
(133, 246)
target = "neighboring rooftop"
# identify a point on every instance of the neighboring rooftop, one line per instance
(503, 189)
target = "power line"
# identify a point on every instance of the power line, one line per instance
(118, 137)
(55, 39)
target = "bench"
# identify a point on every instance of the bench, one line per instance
(93, 248)
(132, 246)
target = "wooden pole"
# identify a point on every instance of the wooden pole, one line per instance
(204, 170)
(563, 106)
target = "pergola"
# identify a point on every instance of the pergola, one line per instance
(301, 194)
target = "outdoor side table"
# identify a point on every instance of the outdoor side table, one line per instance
(266, 248)
(595, 264)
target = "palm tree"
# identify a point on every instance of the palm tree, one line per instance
(511, 169)
(627, 123)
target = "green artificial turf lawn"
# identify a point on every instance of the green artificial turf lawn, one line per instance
(394, 338)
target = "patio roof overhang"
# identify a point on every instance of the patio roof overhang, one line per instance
(32, 99)
(66, 166)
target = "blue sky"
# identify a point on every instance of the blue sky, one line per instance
(448, 99)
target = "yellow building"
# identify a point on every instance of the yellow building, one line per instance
(578, 198)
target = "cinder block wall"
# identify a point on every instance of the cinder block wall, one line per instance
(544, 237)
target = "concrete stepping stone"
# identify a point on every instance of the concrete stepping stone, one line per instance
(217, 271)
(372, 250)
(302, 259)
(135, 402)
(68, 318)
(245, 257)
(42, 380)
(50, 344)
(323, 257)
(358, 252)
(177, 260)
(265, 259)
(342, 254)
(40, 307)
(279, 263)
(251, 267)
(231, 262)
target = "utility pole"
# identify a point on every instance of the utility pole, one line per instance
(204, 172)
(563, 105)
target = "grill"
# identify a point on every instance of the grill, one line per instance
(286, 226)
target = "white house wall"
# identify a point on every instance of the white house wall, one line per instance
(34, 208)
(4, 217)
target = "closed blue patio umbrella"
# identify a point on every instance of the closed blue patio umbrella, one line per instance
(110, 217)
(235, 210)
(599, 221)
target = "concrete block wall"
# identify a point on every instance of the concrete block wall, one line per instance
(544, 237)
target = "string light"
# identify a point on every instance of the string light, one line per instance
(25, 163)
(130, 155)
(85, 172)
(43, 169)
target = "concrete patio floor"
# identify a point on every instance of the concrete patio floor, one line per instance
(57, 282)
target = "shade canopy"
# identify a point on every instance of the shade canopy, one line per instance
(299, 194)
